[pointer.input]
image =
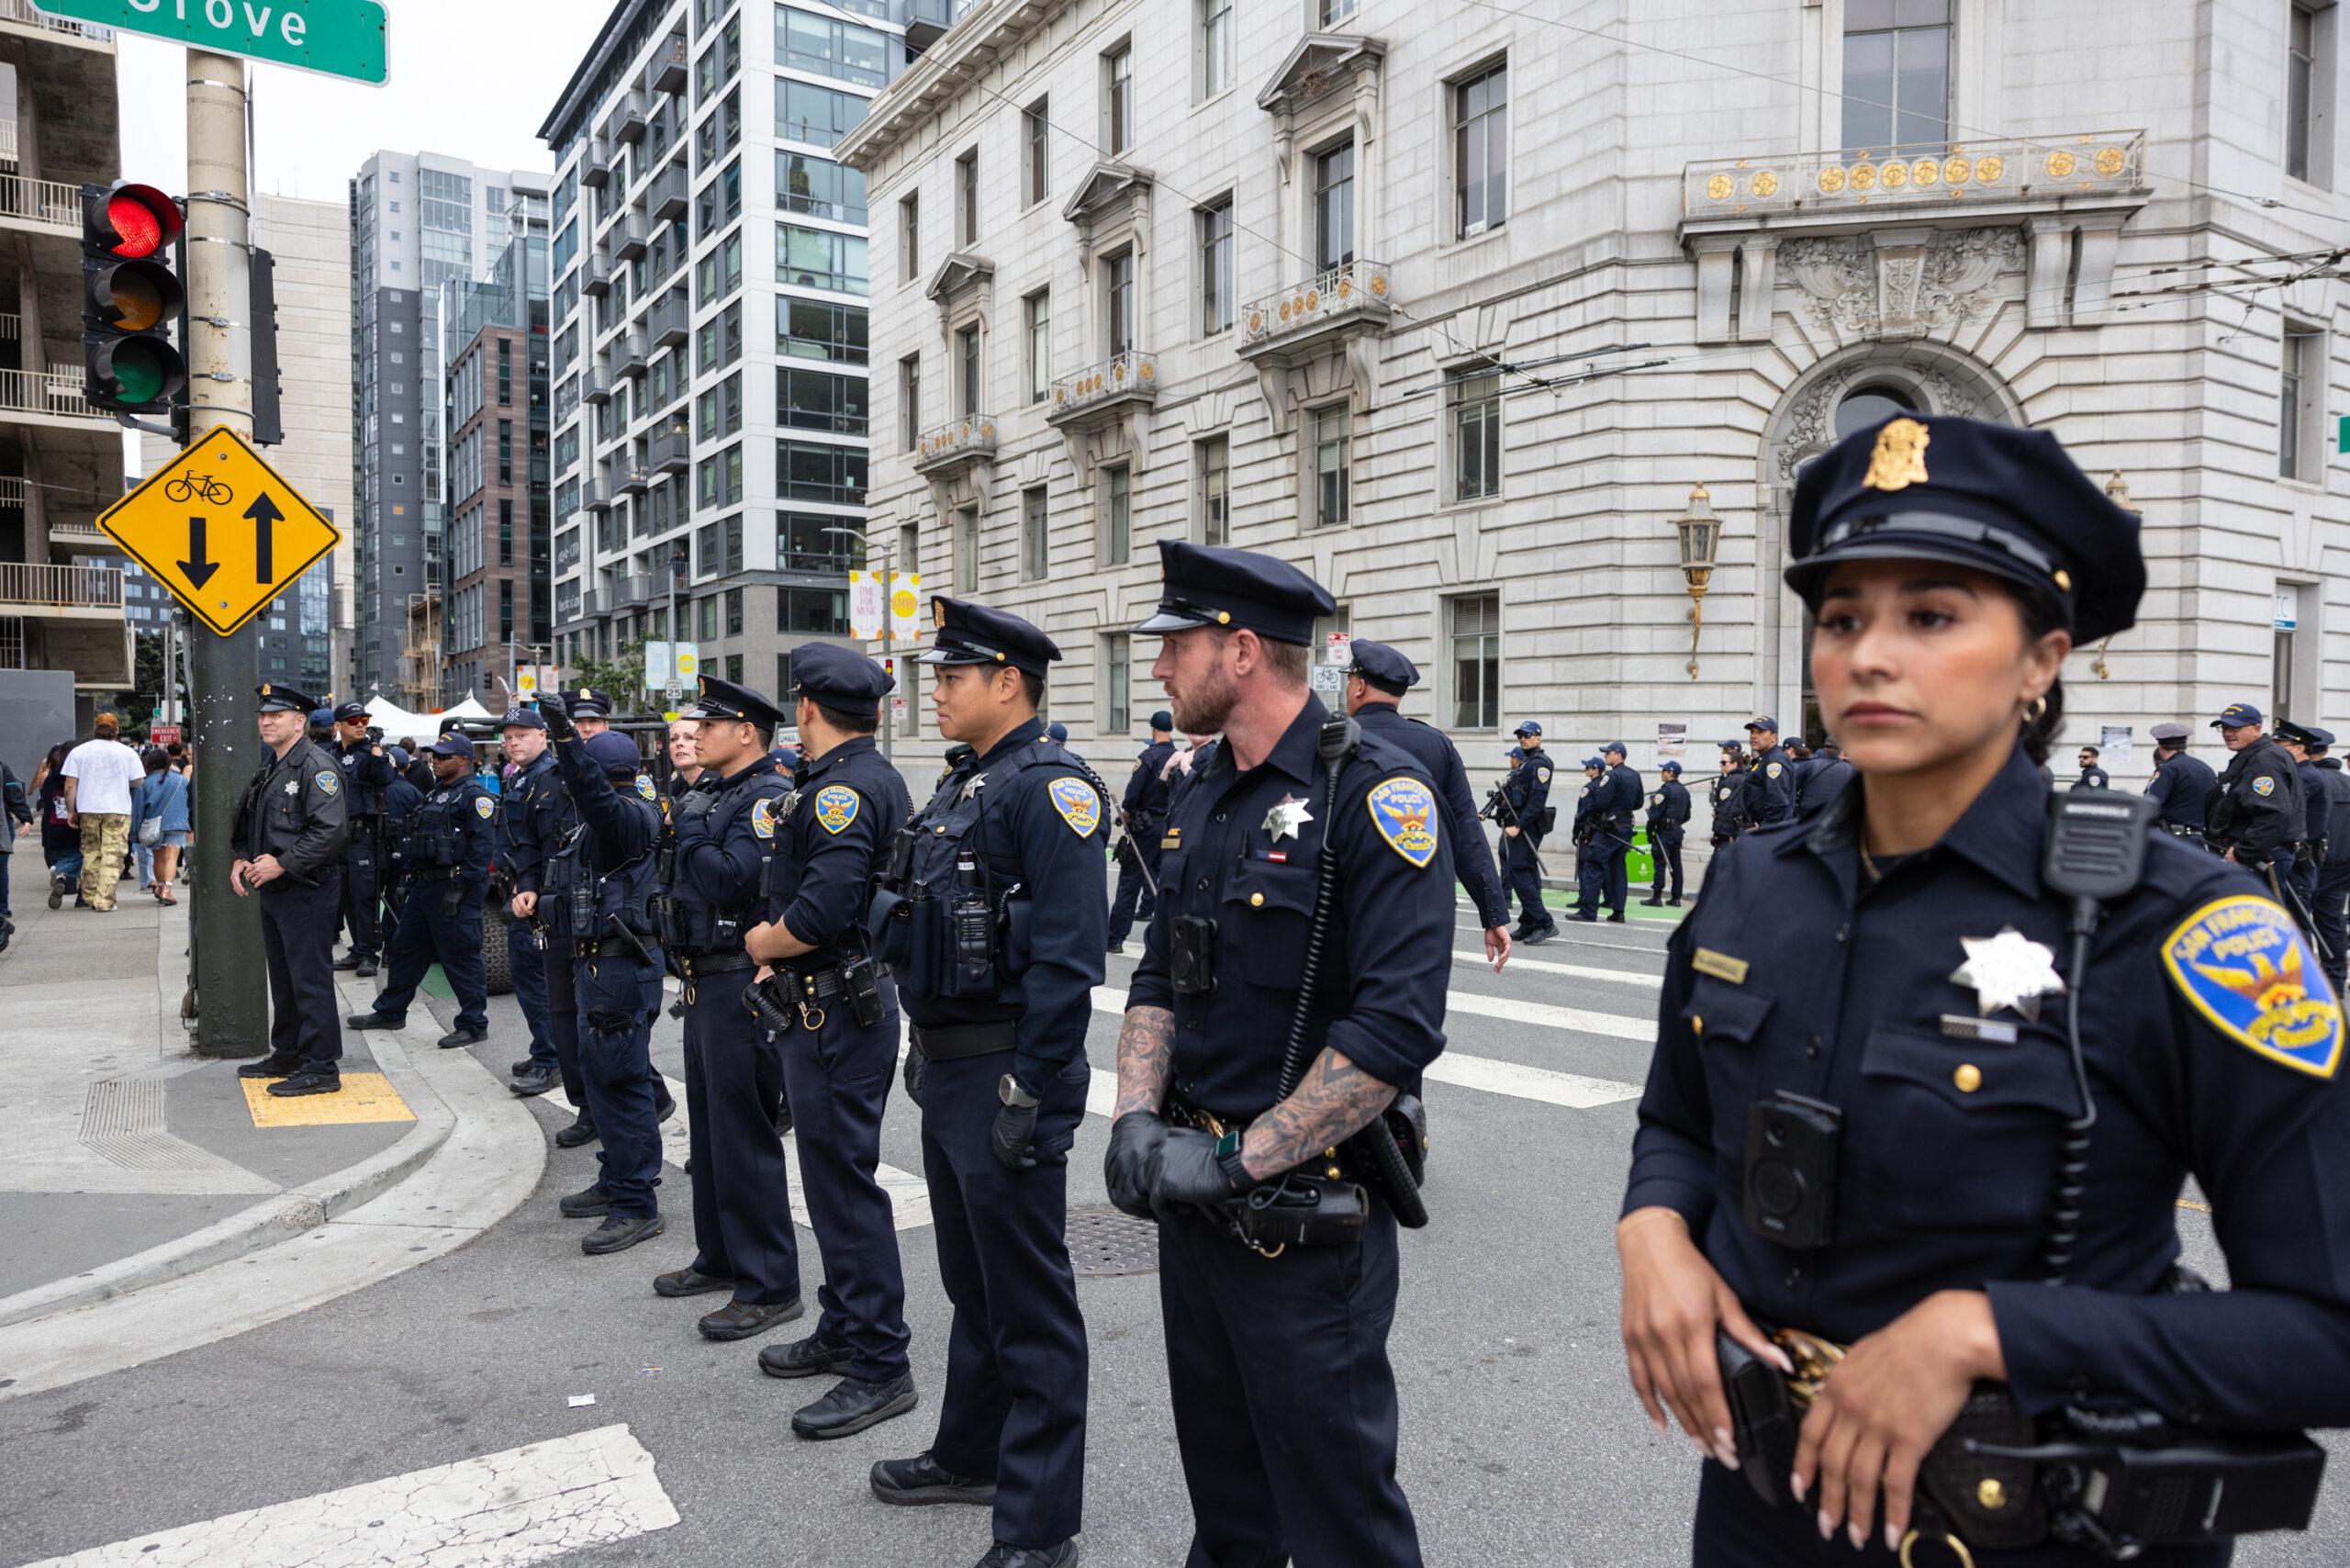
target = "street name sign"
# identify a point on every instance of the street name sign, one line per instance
(335, 37)
(221, 530)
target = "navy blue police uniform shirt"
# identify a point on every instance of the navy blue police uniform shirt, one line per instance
(1472, 858)
(2093, 778)
(468, 809)
(2212, 1042)
(1822, 779)
(1527, 789)
(1668, 808)
(1039, 831)
(533, 816)
(1144, 792)
(2256, 805)
(852, 802)
(366, 774)
(2317, 805)
(401, 799)
(1770, 788)
(2179, 787)
(621, 828)
(726, 869)
(1379, 1002)
(1621, 789)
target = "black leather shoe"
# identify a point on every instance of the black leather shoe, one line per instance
(348, 961)
(687, 1281)
(811, 1357)
(1004, 1555)
(1616, 919)
(455, 1038)
(366, 969)
(532, 1081)
(666, 1108)
(586, 1205)
(853, 1406)
(1536, 938)
(516, 1069)
(1651, 903)
(1672, 903)
(1587, 919)
(374, 1020)
(740, 1319)
(913, 1482)
(579, 1132)
(619, 1233)
(271, 1066)
(309, 1081)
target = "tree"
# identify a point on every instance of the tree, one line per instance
(621, 677)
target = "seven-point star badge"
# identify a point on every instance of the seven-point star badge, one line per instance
(972, 788)
(2008, 970)
(1286, 818)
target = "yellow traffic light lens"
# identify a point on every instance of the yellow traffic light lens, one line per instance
(137, 303)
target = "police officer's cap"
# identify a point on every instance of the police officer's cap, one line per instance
(968, 633)
(2300, 734)
(521, 718)
(1058, 731)
(322, 717)
(587, 702)
(452, 744)
(1514, 754)
(1527, 728)
(613, 752)
(1163, 720)
(1763, 722)
(787, 758)
(278, 698)
(2169, 732)
(347, 712)
(2235, 715)
(842, 678)
(1383, 667)
(2000, 500)
(1595, 762)
(1205, 585)
(1618, 748)
(2317, 736)
(732, 701)
(1671, 768)
(398, 757)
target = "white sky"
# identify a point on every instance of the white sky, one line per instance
(473, 79)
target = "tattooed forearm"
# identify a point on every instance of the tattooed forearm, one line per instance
(1146, 1059)
(1337, 1101)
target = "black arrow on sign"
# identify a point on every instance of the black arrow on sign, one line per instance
(198, 568)
(263, 512)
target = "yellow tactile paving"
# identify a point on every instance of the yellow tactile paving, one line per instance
(365, 1097)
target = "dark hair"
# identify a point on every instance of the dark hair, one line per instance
(2040, 615)
(2092, 751)
(1034, 685)
(849, 724)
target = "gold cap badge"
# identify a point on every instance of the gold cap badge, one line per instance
(938, 614)
(586, 695)
(1899, 460)
(264, 689)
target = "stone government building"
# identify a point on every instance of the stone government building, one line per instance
(1455, 304)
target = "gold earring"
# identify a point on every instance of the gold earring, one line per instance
(2038, 706)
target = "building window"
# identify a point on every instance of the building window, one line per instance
(808, 472)
(817, 116)
(1039, 312)
(719, 409)
(707, 608)
(721, 478)
(1120, 106)
(1117, 513)
(966, 550)
(1212, 464)
(1473, 422)
(2298, 434)
(2286, 620)
(2304, 107)
(1336, 11)
(818, 542)
(1476, 633)
(1481, 152)
(819, 188)
(822, 612)
(1036, 534)
(1215, 267)
(843, 51)
(817, 258)
(1117, 681)
(967, 198)
(505, 452)
(909, 400)
(967, 356)
(1118, 302)
(721, 203)
(810, 329)
(910, 235)
(1333, 445)
(734, 668)
(720, 273)
(1215, 47)
(505, 533)
(1865, 408)
(1897, 73)
(1334, 207)
(817, 400)
(734, 613)
(1036, 160)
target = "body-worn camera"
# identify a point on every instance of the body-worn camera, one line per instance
(861, 984)
(1191, 955)
(1790, 1188)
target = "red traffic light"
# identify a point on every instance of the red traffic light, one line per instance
(131, 221)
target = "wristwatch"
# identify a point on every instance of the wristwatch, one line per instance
(1227, 1160)
(1010, 1094)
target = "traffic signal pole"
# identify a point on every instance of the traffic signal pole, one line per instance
(232, 994)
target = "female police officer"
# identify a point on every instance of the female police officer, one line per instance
(1899, 963)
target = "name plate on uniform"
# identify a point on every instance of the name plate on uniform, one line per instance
(1958, 1027)
(1722, 965)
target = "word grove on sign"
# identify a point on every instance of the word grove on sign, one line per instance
(337, 38)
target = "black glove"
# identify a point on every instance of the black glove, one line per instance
(912, 1071)
(1014, 1130)
(557, 714)
(450, 902)
(1186, 1171)
(1131, 1165)
(695, 804)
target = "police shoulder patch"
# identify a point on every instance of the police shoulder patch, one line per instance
(330, 783)
(763, 817)
(1543, 774)
(835, 807)
(1078, 804)
(2264, 785)
(644, 788)
(1772, 771)
(2241, 960)
(484, 807)
(1403, 811)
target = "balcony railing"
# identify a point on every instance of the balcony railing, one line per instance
(631, 357)
(973, 436)
(667, 197)
(24, 14)
(596, 495)
(1130, 375)
(595, 277)
(627, 238)
(596, 169)
(643, 589)
(1357, 290)
(1973, 172)
(65, 587)
(635, 482)
(596, 386)
(11, 492)
(23, 392)
(673, 451)
(45, 202)
(667, 72)
(671, 320)
(629, 125)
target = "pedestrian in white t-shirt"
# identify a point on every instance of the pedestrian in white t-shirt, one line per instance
(100, 773)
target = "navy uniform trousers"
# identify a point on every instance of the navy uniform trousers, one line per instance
(1015, 1406)
(618, 997)
(1284, 1399)
(1124, 909)
(561, 991)
(837, 1078)
(2332, 907)
(742, 1194)
(362, 897)
(298, 936)
(526, 964)
(425, 933)
(1664, 849)
(1525, 879)
(1600, 874)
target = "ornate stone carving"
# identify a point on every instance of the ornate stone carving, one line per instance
(1861, 289)
(1840, 274)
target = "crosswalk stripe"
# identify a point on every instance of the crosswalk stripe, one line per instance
(1581, 1020)
(1577, 971)
(501, 1511)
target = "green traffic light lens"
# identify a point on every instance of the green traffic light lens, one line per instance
(137, 375)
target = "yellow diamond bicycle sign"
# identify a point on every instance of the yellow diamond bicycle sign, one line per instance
(221, 530)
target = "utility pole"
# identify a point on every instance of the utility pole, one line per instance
(679, 563)
(230, 971)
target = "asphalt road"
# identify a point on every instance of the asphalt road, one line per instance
(1521, 1441)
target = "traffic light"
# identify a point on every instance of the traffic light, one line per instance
(130, 300)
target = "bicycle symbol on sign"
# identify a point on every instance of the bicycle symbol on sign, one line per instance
(204, 486)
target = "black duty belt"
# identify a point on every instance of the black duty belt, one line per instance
(1183, 1114)
(700, 964)
(821, 982)
(953, 1042)
(442, 874)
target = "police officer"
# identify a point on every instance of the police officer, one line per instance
(1376, 682)
(1903, 964)
(2181, 784)
(2254, 814)
(1668, 819)
(684, 764)
(1770, 778)
(287, 840)
(1527, 792)
(1727, 795)
(839, 1049)
(2092, 776)
(448, 875)
(723, 838)
(1140, 814)
(591, 711)
(402, 801)
(2317, 806)
(1006, 856)
(1819, 780)
(366, 774)
(533, 815)
(1285, 1406)
(1614, 796)
(595, 893)
(2331, 905)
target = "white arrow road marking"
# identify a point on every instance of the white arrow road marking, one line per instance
(501, 1511)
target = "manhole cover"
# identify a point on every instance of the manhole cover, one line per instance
(1104, 1241)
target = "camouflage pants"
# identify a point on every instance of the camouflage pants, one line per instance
(106, 839)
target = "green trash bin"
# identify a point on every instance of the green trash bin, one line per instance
(1639, 865)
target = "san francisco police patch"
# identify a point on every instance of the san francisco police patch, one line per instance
(330, 783)
(2241, 961)
(1078, 804)
(485, 808)
(1772, 771)
(1543, 774)
(1403, 811)
(2264, 785)
(763, 817)
(644, 788)
(835, 807)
